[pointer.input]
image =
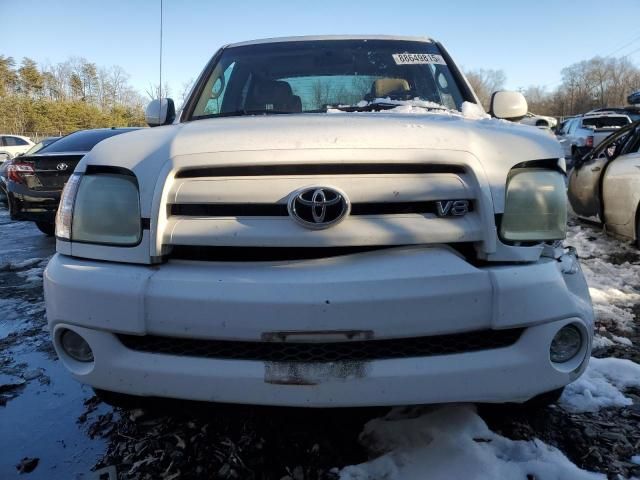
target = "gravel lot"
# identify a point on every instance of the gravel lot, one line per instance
(53, 428)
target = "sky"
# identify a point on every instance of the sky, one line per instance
(530, 40)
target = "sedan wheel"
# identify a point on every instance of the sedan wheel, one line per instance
(49, 229)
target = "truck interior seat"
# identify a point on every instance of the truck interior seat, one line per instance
(273, 95)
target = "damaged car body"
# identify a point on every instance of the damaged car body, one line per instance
(329, 222)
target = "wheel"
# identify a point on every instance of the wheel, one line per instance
(544, 399)
(49, 229)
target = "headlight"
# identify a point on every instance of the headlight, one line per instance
(535, 206)
(100, 208)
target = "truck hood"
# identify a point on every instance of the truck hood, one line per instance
(494, 145)
(344, 130)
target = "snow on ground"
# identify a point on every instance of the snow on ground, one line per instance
(613, 287)
(453, 442)
(602, 385)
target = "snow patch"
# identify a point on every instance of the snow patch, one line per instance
(30, 262)
(32, 275)
(453, 442)
(473, 111)
(601, 385)
(622, 340)
(613, 288)
(602, 342)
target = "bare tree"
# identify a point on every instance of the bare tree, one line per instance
(484, 82)
(153, 91)
(186, 88)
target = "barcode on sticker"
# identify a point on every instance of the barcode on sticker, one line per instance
(418, 59)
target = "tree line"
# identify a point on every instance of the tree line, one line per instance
(64, 97)
(596, 83)
(57, 99)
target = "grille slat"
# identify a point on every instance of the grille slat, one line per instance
(365, 350)
(319, 169)
(280, 210)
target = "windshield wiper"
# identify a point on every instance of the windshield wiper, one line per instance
(370, 107)
(240, 113)
(379, 105)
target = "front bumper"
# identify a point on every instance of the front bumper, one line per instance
(403, 292)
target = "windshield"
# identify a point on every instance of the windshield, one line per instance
(312, 76)
(605, 122)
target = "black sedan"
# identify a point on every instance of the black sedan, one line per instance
(4, 163)
(34, 182)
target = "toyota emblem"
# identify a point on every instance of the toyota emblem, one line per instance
(318, 207)
(62, 167)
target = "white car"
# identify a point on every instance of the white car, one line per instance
(541, 121)
(331, 221)
(605, 185)
(13, 145)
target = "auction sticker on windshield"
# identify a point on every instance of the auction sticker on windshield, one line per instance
(417, 59)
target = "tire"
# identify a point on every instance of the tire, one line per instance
(49, 229)
(544, 399)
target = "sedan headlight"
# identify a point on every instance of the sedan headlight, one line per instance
(535, 206)
(100, 208)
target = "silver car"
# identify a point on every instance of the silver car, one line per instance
(604, 186)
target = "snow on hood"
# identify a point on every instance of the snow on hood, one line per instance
(469, 110)
(453, 442)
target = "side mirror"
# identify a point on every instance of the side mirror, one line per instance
(508, 105)
(160, 112)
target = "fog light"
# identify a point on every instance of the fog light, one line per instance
(75, 346)
(566, 344)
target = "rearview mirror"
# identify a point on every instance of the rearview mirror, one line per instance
(508, 105)
(160, 112)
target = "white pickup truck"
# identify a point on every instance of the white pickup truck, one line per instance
(329, 221)
(581, 134)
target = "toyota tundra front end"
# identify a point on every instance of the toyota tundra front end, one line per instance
(329, 221)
